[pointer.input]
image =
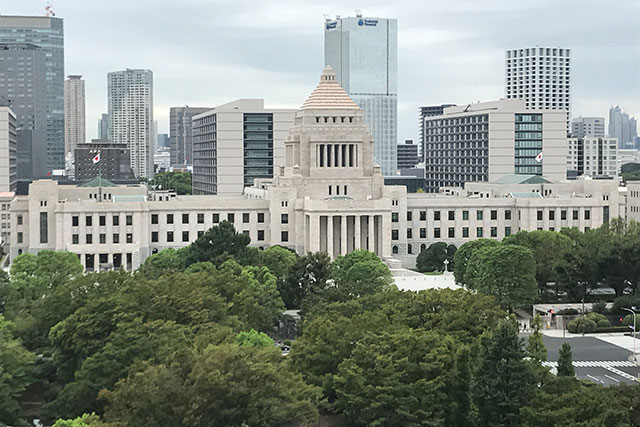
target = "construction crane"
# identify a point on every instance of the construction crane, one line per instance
(48, 10)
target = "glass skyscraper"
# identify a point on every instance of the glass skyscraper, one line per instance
(48, 34)
(364, 54)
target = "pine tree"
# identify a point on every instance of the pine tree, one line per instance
(565, 364)
(503, 380)
(535, 348)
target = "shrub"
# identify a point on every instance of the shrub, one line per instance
(599, 307)
(568, 311)
(628, 320)
(603, 323)
(596, 317)
(581, 325)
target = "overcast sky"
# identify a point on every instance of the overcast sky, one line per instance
(208, 52)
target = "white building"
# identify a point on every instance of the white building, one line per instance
(487, 140)
(236, 143)
(130, 99)
(364, 54)
(593, 156)
(588, 126)
(541, 76)
(74, 114)
(329, 196)
(627, 156)
(8, 150)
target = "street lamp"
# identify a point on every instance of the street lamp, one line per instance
(634, 330)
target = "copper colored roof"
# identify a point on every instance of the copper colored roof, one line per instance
(328, 94)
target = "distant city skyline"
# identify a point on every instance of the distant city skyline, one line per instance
(452, 52)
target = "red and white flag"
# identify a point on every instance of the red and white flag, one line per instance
(539, 157)
(96, 158)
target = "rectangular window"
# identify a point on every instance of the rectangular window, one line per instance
(436, 215)
(19, 236)
(284, 219)
(200, 233)
(215, 218)
(115, 220)
(116, 238)
(465, 232)
(479, 215)
(88, 239)
(563, 215)
(409, 233)
(169, 236)
(587, 214)
(245, 217)
(260, 217)
(436, 233)
(185, 236)
(231, 218)
(423, 233)
(507, 231)
(169, 218)
(88, 221)
(200, 218)
(575, 214)
(75, 238)
(154, 237)
(129, 237)
(409, 216)
(185, 218)
(154, 218)
(479, 232)
(394, 234)
(284, 236)
(75, 220)
(494, 231)
(102, 220)
(465, 215)
(394, 216)
(102, 238)
(507, 214)
(260, 235)
(452, 232)
(452, 215)
(44, 227)
(494, 215)
(552, 215)
(423, 215)
(129, 219)
(540, 214)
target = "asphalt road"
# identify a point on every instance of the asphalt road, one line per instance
(604, 362)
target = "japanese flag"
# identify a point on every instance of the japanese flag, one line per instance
(96, 158)
(539, 157)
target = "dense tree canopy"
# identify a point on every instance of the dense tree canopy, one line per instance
(180, 182)
(432, 258)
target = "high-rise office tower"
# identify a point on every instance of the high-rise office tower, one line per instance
(48, 34)
(8, 149)
(163, 142)
(623, 127)
(235, 143)
(181, 133)
(587, 126)
(24, 89)
(103, 127)
(592, 156)
(74, 114)
(364, 55)
(408, 155)
(130, 99)
(541, 76)
(428, 111)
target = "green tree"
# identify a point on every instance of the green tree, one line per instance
(506, 272)
(565, 363)
(397, 378)
(166, 261)
(217, 245)
(464, 253)
(432, 258)
(180, 182)
(86, 420)
(503, 381)
(535, 346)
(16, 373)
(280, 261)
(308, 276)
(359, 273)
(229, 384)
(254, 338)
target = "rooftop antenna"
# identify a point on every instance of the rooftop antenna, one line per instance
(327, 17)
(358, 13)
(48, 10)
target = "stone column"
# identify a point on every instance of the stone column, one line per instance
(357, 231)
(371, 246)
(314, 233)
(343, 235)
(330, 236)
